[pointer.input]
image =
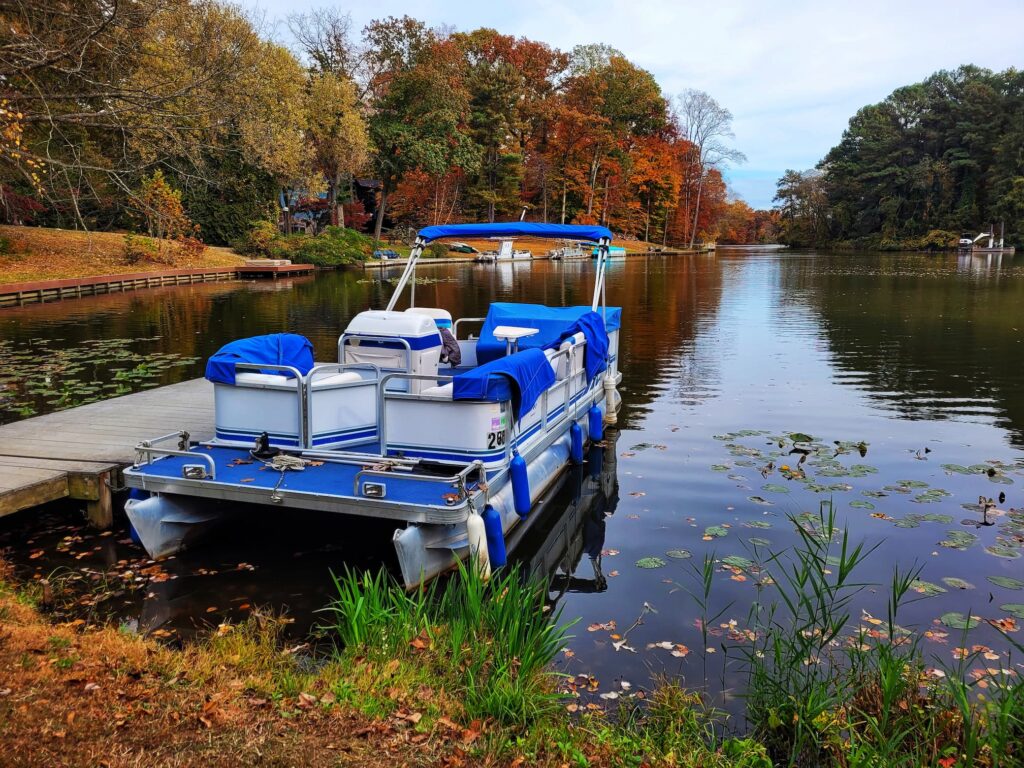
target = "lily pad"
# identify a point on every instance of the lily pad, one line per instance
(757, 541)
(926, 588)
(757, 524)
(800, 437)
(913, 483)
(1014, 609)
(716, 531)
(958, 540)
(737, 562)
(1006, 581)
(874, 494)
(760, 500)
(678, 554)
(650, 562)
(720, 467)
(957, 469)
(773, 488)
(954, 583)
(956, 620)
(861, 504)
(1003, 550)
(1000, 478)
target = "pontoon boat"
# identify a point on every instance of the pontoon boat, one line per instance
(458, 455)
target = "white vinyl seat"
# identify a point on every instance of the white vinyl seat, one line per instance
(444, 391)
(346, 377)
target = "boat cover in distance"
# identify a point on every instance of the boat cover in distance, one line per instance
(588, 232)
(554, 324)
(272, 349)
(521, 378)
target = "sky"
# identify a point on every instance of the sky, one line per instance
(791, 73)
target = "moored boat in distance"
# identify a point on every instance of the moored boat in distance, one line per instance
(454, 436)
(505, 252)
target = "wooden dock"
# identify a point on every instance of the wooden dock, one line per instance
(78, 453)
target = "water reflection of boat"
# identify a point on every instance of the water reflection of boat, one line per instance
(574, 526)
(450, 452)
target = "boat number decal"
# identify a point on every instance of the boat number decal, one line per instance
(496, 439)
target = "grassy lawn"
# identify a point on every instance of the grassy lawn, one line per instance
(38, 253)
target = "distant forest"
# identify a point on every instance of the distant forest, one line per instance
(113, 113)
(932, 160)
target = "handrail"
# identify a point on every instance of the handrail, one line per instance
(457, 480)
(146, 448)
(345, 336)
(382, 394)
(300, 387)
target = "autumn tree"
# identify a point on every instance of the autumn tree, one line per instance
(417, 104)
(337, 134)
(706, 125)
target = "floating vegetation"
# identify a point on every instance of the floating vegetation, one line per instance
(679, 554)
(1006, 581)
(760, 500)
(735, 561)
(772, 488)
(861, 504)
(926, 588)
(757, 541)
(1014, 609)
(914, 519)
(715, 532)
(958, 540)
(720, 467)
(955, 620)
(757, 524)
(1003, 550)
(931, 496)
(650, 562)
(954, 583)
(40, 378)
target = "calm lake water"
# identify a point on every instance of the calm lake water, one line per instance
(906, 370)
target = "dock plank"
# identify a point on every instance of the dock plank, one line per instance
(76, 452)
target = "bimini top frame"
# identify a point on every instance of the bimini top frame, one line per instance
(594, 234)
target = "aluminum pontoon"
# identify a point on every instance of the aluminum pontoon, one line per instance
(458, 455)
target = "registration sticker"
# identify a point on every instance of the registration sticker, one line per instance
(496, 423)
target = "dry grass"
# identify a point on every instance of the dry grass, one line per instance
(39, 253)
(73, 696)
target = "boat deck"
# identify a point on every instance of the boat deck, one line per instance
(78, 453)
(325, 484)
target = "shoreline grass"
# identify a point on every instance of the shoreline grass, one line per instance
(460, 673)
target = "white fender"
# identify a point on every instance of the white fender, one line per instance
(478, 544)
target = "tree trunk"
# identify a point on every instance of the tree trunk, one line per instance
(544, 193)
(696, 210)
(380, 213)
(647, 221)
(594, 166)
(287, 213)
(563, 201)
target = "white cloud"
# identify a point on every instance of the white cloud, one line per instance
(791, 72)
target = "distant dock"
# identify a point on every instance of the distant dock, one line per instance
(78, 453)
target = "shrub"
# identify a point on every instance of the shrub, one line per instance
(5, 246)
(259, 240)
(137, 248)
(437, 250)
(333, 247)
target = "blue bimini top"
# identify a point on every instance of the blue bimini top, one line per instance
(521, 378)
(272, 349)
(554, 324)
(589, 232)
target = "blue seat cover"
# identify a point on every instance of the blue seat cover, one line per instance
(272, 349)
(554, 324)
(521, 378)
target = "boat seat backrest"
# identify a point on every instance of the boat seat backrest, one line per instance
(286, 382)
(558, 365)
